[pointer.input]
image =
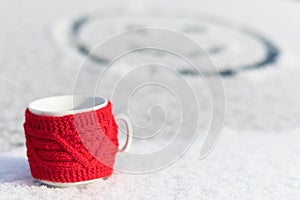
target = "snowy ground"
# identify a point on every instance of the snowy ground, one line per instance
(258, 154)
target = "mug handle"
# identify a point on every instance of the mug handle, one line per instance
(128, 126)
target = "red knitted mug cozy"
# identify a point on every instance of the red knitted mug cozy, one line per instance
(71, 148)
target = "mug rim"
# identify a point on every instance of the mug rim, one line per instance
(41, 106)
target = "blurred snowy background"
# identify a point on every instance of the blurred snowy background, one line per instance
(256, 46)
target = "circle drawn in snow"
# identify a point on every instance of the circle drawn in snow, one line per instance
(233, 48)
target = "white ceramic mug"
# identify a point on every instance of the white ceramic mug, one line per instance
(59, 106)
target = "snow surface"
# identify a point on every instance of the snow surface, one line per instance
(258, 154)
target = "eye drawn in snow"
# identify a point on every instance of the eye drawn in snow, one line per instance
(232, 47)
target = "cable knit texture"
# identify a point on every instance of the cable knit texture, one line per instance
(71, 148)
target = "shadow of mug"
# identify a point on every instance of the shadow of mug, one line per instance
(14, 169)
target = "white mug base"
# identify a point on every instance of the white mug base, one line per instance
(64, 185)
